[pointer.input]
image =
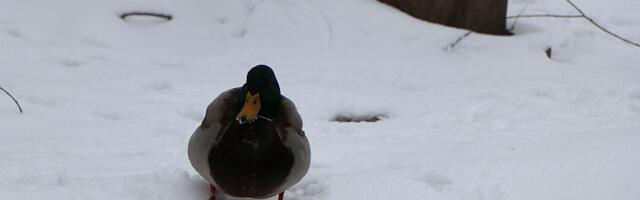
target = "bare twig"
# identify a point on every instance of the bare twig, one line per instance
(513, 26)
(544, 15)
(602, 28)
(14, 99)
(143, 13)
(453, 44)
(582, 15)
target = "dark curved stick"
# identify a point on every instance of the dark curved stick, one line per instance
(14, 99)
(164, 16)
(602, 28)
(513, 26)
(453, 44)
(582, 15)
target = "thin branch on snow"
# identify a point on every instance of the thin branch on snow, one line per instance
(143, 13)
(544, 15)
(582, 15)
(453, 44)
(602, 28)
(14, 99)
(513, 26)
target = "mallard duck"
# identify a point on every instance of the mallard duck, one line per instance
(251, 143)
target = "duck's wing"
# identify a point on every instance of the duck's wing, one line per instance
(290, 131)
(218, 116)
(289, 117)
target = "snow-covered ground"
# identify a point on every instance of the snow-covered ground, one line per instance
(109, 106)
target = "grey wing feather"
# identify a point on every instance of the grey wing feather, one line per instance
(294, 138)
(291, 112)
(208, 134)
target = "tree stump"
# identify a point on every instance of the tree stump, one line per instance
(483, 16)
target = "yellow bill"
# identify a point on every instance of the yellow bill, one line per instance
(250, 109)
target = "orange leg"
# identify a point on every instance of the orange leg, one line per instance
(281, 196)
(212, 189)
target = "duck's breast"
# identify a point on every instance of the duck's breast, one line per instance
(251, 161)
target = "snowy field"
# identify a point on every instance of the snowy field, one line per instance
(109, 105)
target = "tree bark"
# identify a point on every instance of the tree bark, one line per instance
(483, 16)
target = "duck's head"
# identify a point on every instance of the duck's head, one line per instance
(260, 98)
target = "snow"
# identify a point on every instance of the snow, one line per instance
(110, 105)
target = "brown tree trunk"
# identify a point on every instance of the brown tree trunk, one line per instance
(483, 16)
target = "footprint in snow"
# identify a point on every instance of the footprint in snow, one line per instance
(622, 22)
(635, 100)
(108, 115)
(308, 190)
(437, 182)
(635, 94)
(240, 33)
(95, 43)
(158, 84)
(70, 62)
(15, 33)
(47, 102)
(173, 64)
(544, 92)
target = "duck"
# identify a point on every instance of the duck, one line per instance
(250, 143)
